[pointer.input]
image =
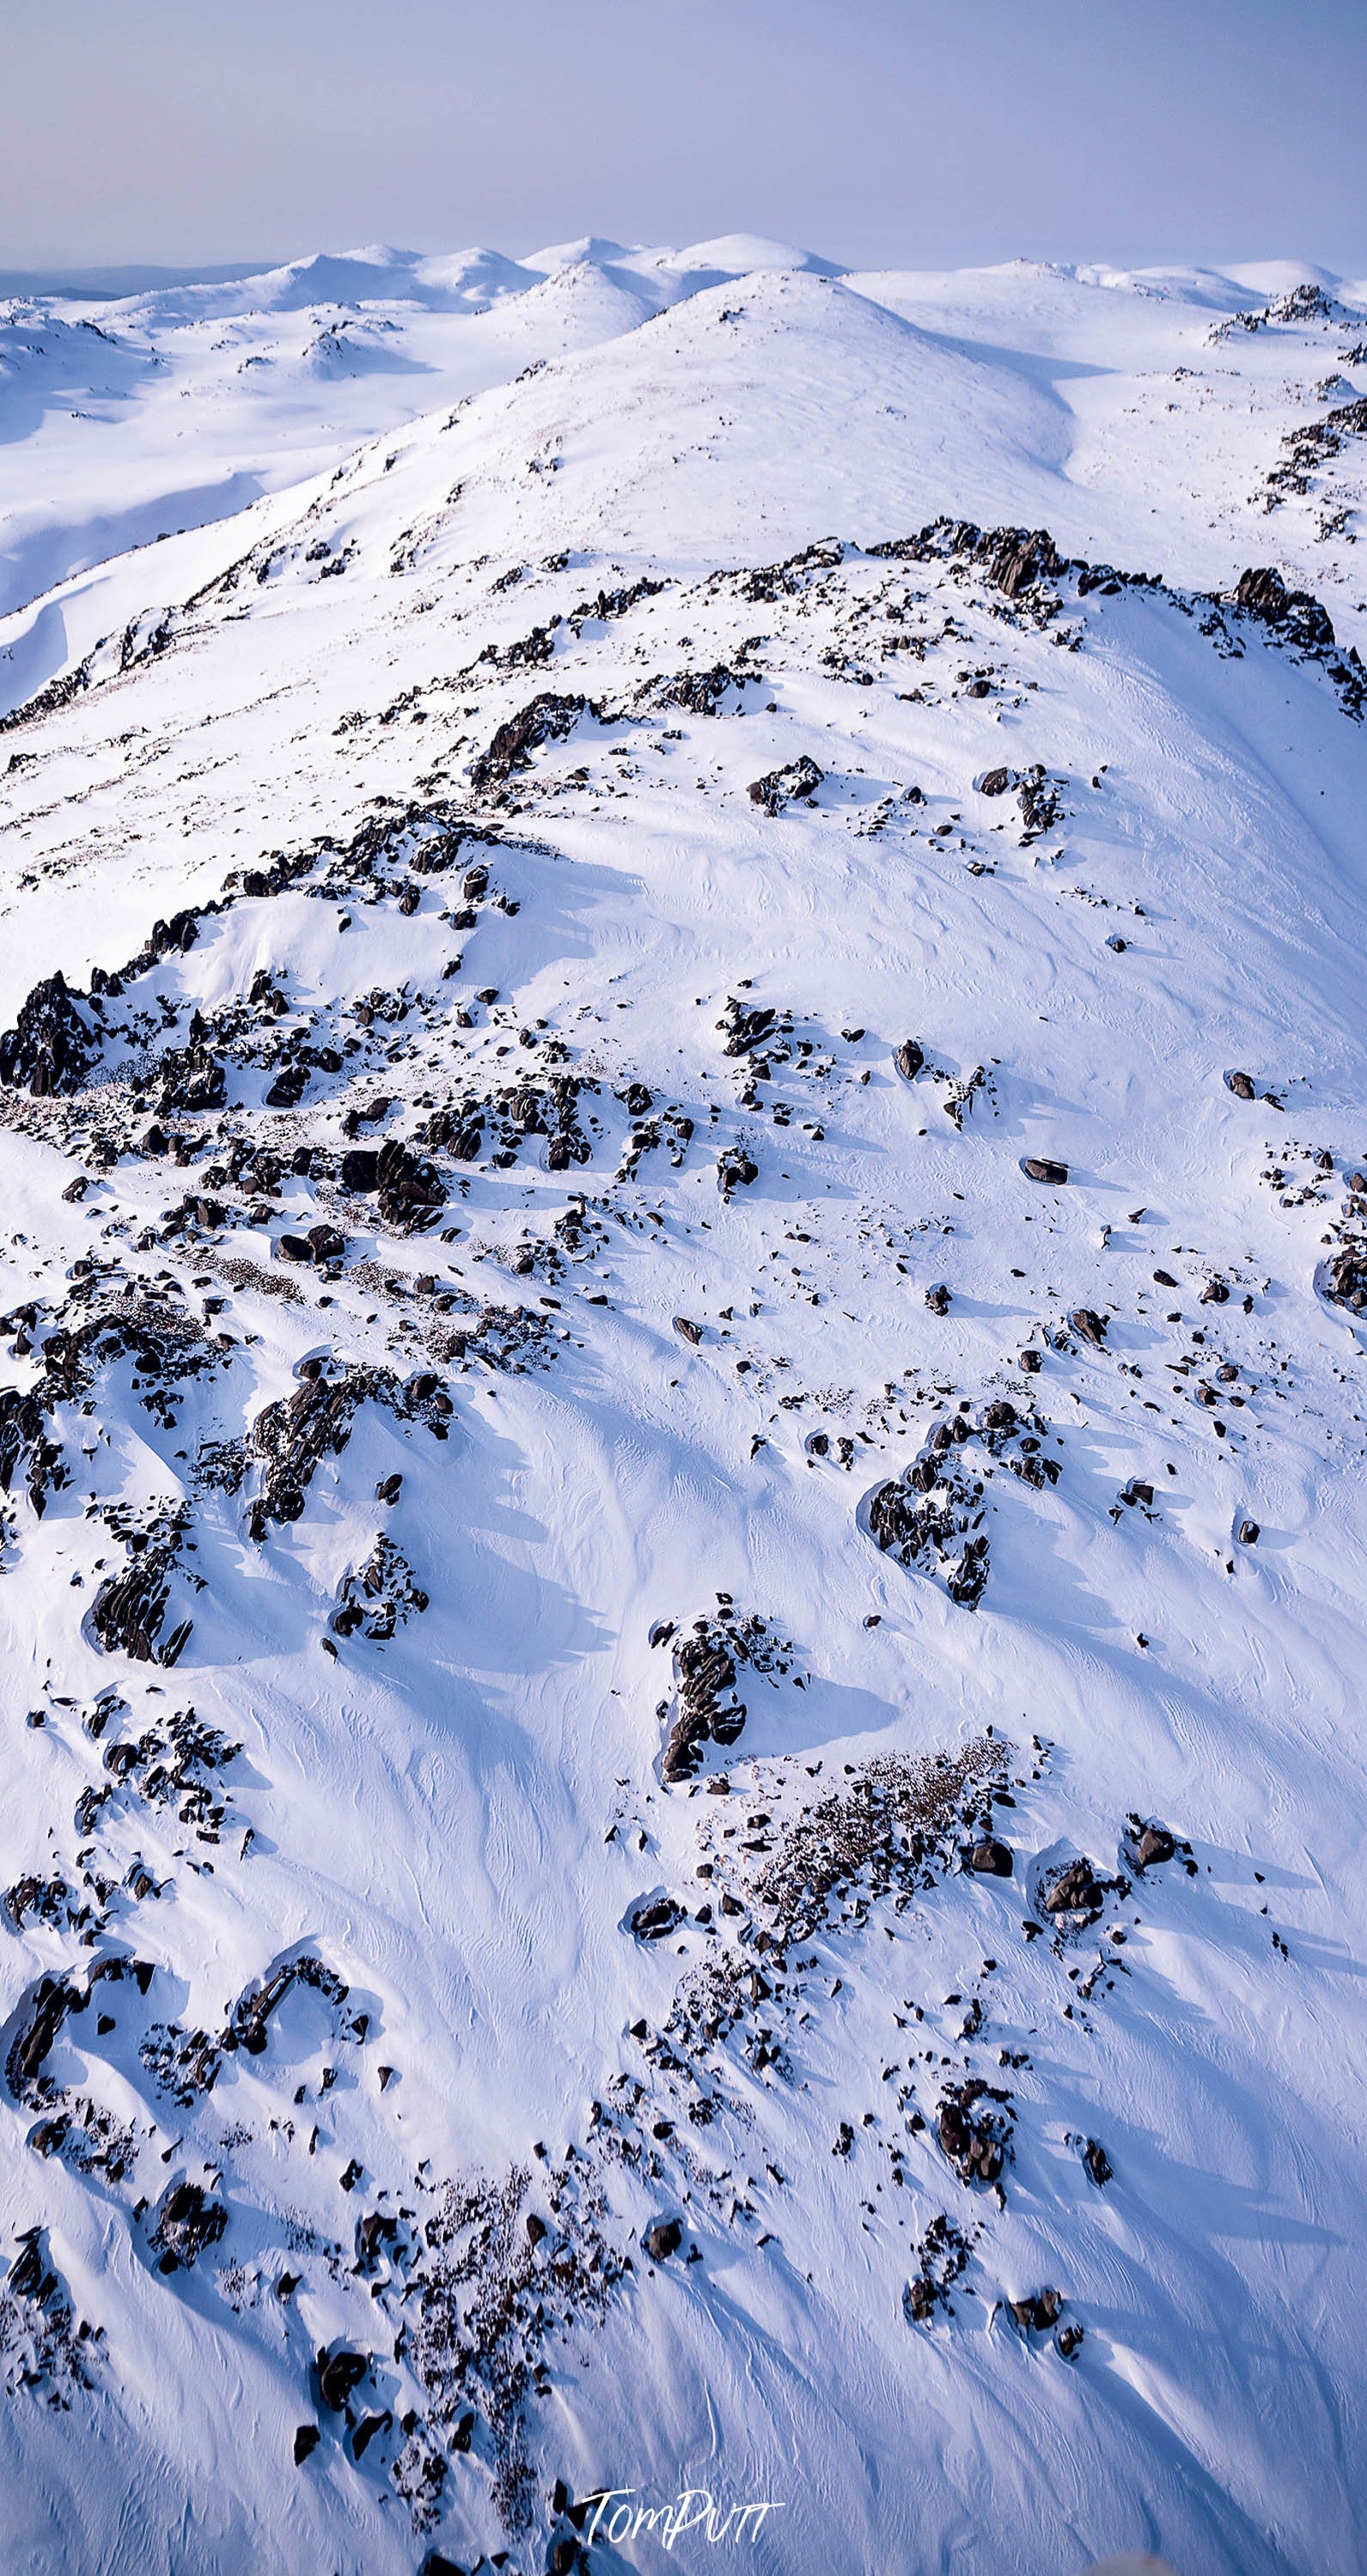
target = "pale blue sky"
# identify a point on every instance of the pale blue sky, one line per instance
(917, 131)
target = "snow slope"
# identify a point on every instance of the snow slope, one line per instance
(404, 1501)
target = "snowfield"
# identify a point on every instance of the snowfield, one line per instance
(683, 1535)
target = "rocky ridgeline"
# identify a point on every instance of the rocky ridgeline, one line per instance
(779, 1880)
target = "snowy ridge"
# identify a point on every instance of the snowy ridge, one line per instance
(683, 1512)
(124, 420)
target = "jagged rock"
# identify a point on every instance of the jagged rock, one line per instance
(1249, 1533)
(545, 719)
(1241, 1084)
(129, 1610)
(992, 1859)
(53, 1998)
(192, 1076)
(306, 2440)
(934, 1505)
(797, 780)
(52, 1047)
(689, 1331)
(411, 1189)
(292, 1435)
(939, 1298)
(360, 1169)
(1038, 1167)
(1097, 2162)
(663, 2239)
(707, 1708)
(698, 693)
(909, 1058)
(379, 1596)
(995, 782)
(189, 2221)
(1262, 593)
(22, 1427)
(1022, 556)
(1088, 1325)
(746, 1026)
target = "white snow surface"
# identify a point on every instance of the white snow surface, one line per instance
(1095, 844)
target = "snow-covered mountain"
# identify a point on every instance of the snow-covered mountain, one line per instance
(722, 1868)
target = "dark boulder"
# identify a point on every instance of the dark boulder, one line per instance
(797, 781)
(968, 2138)
(1038, 1167)
(1075, 1891)
(735, 1170)
(1154, 1846)
(189, 2221)
(1040, 2313)
(1346, 1279)
(339, 2376)
(655, 1918)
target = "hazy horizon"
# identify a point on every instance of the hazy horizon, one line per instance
(887, 134)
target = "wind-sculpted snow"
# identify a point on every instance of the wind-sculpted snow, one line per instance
(681, 1473)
